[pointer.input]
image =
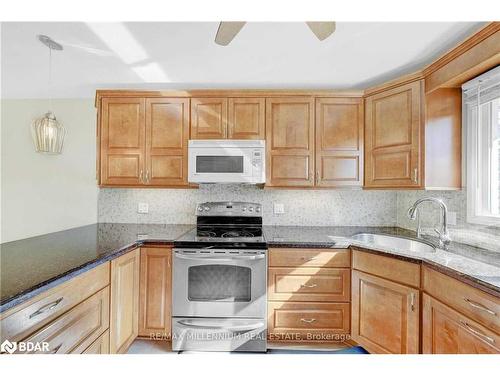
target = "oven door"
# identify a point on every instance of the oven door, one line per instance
(220, 165)
(219, 283)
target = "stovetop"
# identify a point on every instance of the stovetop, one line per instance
(223, 236)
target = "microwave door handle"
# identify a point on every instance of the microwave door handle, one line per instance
(220, 258)
(242, 328)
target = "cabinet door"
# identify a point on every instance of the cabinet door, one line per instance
(393, 137)
(446, 331)
(290, 141)
(339, 142)
(167, 134)
(385, 315)
(122, 141)
(208, 118)
(246, 118)
(99, 346)
(124, 314)
(155, 292)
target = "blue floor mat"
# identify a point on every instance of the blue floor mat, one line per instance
(353, 350)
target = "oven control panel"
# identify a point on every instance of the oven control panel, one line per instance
(229, 209)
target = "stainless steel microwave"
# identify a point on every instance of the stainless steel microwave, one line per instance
(227, 161)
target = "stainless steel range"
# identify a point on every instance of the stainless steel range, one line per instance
(219, 293)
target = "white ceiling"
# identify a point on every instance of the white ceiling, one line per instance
(184, 55)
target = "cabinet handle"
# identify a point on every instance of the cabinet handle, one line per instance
(140, 177)
(308, 286)
(312, 320)
(147, 176)
(412, 301)
(54, 351)
(476, 332)
(308, 259)
(415, 175)
(478, 306)
(46, 308)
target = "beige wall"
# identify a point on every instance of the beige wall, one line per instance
(45, 193)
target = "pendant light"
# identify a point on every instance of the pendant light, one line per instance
(48, 134)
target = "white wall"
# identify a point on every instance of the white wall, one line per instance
(46, 193)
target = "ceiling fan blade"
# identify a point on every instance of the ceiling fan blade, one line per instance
(227, 31)
(322, 30)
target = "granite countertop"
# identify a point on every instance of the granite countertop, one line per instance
(33, 265)
(30, 266)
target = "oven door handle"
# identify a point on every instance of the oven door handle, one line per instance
(218, 258)
(242, 328)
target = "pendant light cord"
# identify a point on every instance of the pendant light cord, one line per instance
(50, 80)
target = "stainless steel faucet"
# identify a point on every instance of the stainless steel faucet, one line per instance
(413, 214)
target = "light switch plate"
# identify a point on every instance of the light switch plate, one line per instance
(143, 208)
(451, 219)
(279, 208)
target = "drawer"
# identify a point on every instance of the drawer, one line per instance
(99, 346)
(308, 321)
(389, 268)
(309, 284)
(22, 320)
(74, 331)
(473, 303)
(284, 257)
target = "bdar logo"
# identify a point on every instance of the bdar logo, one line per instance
(9, 347)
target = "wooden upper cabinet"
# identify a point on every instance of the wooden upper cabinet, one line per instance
(290, 141)
(385, 315)
(167, 135)
(393, 137)
(247, 118)
(124, 311)
(122, 141)
(339, 142)
(208, 118)
(155, 292)
(445, 331)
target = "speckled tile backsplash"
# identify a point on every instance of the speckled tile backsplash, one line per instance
(302, 207)
(456, 201)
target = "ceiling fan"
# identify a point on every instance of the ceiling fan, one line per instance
(228, 30)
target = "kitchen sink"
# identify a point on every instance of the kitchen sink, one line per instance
(396, 243)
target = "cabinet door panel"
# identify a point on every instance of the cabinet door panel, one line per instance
(446, 331)
(155, 292)
(385, 315)
(290, 141)
(167, 134)
(208, 118)
(339, 141)
(124, 317)
(393, 143)
(246, 118)
(122, 142)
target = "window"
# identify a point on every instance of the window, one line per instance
(481, 101)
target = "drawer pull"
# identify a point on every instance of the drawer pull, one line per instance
(412, 302)
(479, 306)
(46, 308)
(476, 332)
(308, 286)
(54, 351)
(312, 320)
(308, 259)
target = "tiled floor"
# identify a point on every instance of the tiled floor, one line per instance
(140, 346)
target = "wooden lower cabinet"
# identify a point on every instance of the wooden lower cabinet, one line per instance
(385, 315)
(308, 321)
(155, 292)
(124, 312)
(99, 346)
(446, 331)
(75, 330)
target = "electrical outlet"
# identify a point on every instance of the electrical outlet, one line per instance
(279, 208)
(451, 219)
(143, 208)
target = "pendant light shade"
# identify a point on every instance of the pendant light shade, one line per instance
(48, 134)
